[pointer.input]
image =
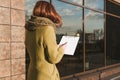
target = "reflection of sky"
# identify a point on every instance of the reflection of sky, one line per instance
(72, 15)
(95, 4)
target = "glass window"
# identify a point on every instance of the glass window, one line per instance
(94, 39)
(71, 16)
(112, 34)
(72, 26)
(76, 1)
(29, 8)
(95, 4)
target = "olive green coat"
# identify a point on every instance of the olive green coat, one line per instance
(43, 50)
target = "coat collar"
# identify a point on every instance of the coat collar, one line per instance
(35, 22)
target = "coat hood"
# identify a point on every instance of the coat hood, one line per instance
(34, 22)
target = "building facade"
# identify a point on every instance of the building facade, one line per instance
(97, 53)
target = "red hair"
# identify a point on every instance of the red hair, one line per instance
(46, 9)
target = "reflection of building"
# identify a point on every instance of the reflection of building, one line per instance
(89, 37)
(99, 34)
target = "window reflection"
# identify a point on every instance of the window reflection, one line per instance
(71, 16)
(29, 7)
(112, 34)
(94, 39)
(76, 1)
(95, 4)
(72, 26)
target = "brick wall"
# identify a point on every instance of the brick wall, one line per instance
(12, 49)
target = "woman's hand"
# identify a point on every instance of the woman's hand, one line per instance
(63, 45)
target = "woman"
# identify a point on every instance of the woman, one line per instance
(41, 42)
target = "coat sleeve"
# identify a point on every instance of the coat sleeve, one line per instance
(53, 53)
